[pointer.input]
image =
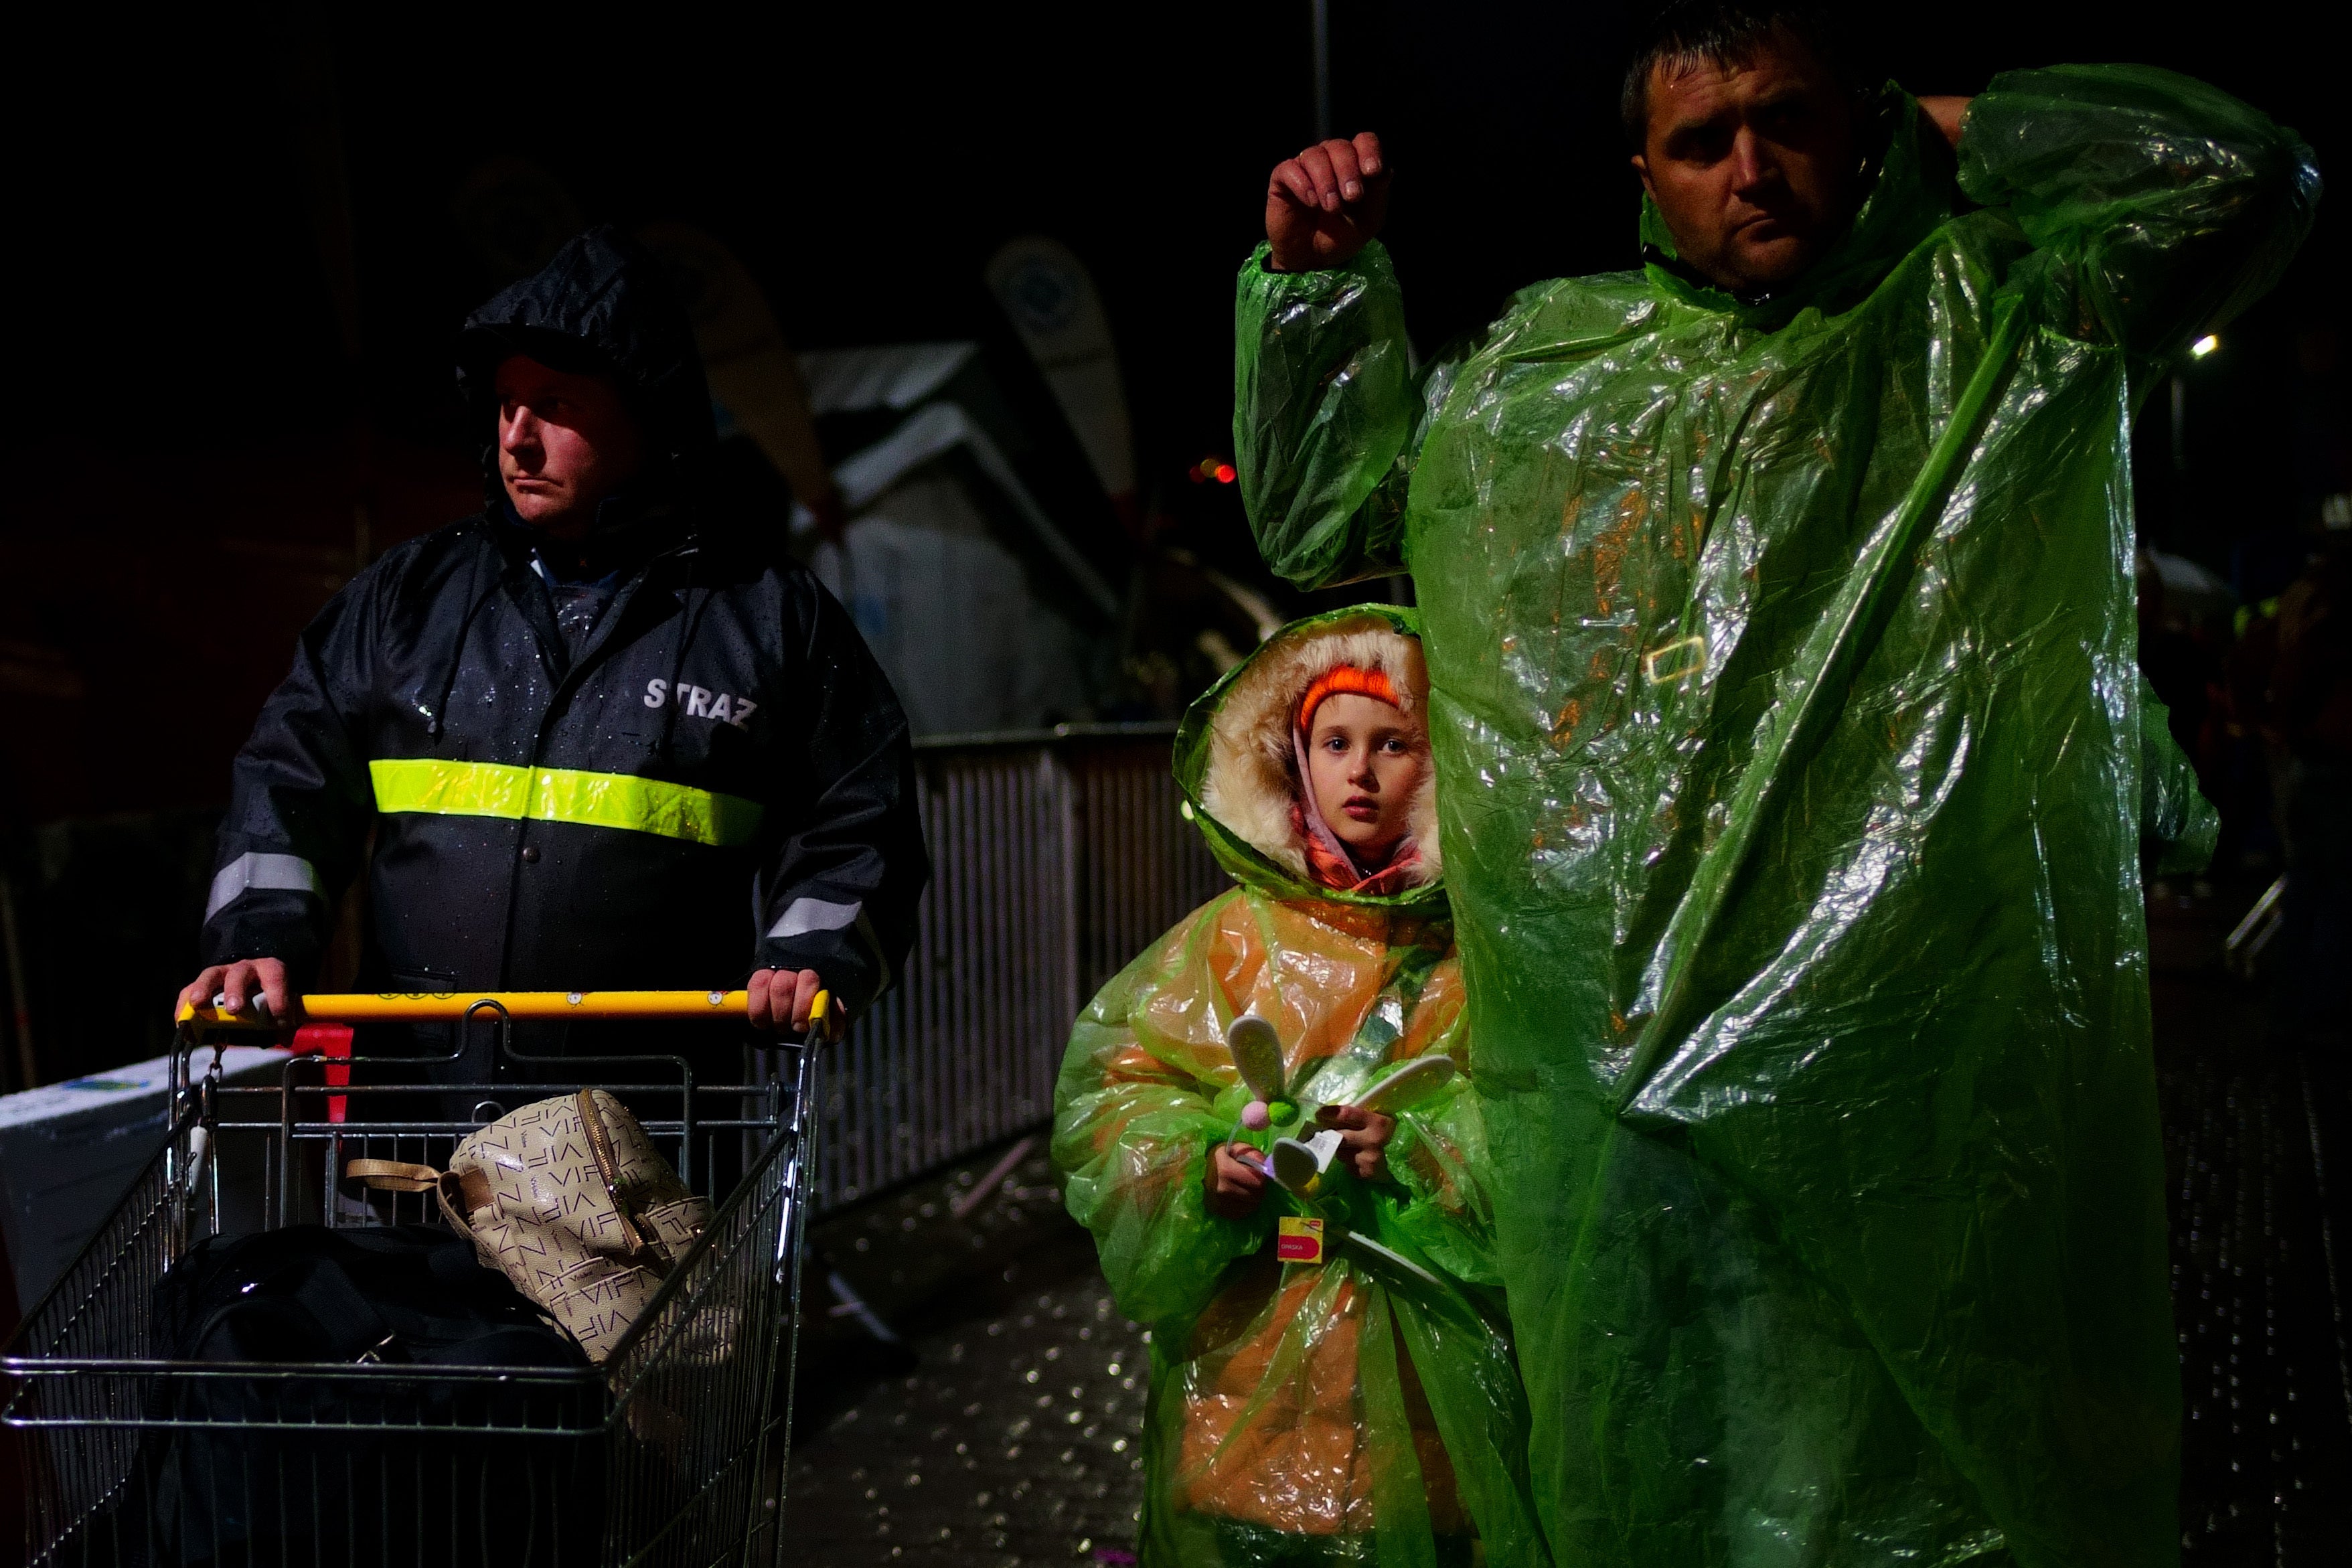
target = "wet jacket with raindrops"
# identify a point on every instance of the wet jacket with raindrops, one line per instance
(1792, 774)
(717, 779)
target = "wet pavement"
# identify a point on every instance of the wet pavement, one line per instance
(1004, 1427)
(2258, 1146)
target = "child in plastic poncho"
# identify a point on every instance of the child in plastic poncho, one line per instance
(1356, 1408)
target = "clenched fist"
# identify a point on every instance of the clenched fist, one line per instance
(1324, 204)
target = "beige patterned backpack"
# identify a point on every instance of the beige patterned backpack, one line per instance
(570, 1199)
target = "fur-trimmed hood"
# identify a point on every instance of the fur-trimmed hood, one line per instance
(1237, 744)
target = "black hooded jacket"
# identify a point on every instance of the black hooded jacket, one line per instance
(719, 781)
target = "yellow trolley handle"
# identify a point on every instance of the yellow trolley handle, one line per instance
(412, 1008)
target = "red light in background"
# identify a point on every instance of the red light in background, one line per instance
(1225, 473)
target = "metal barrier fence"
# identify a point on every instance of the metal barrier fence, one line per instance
(1056, 858)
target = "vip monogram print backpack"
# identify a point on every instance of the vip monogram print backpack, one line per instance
(570, 1199)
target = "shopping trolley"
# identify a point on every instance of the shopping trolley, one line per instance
(671, 1452)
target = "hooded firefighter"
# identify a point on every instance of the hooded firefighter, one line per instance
(653, 754)
(1339, 1390)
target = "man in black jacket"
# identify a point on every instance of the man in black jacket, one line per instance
(605, 739)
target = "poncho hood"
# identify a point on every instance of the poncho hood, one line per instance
(1234, 754)
(1911, 187)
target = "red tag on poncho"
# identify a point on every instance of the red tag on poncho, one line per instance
(1297, 1241)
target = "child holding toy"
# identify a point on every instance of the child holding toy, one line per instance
(1264, 1121)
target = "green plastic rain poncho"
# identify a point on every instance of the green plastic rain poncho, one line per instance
(1788, 748)
(1346, 1411)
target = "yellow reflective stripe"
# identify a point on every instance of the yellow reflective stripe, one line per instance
(451, 789)
(563, 794)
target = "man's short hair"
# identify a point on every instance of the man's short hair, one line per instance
(1728, 32)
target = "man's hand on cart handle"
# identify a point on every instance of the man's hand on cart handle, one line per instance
(782, 1001)
(255, 983)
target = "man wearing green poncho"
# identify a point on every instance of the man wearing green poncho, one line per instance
(1780, 629)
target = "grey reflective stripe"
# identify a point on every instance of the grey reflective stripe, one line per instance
(256, 868)
(804, 915)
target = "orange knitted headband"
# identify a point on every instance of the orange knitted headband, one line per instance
(1346, 677)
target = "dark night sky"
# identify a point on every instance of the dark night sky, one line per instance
(865, 160)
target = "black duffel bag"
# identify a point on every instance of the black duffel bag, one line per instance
(362, 1460)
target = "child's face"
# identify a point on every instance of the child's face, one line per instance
(1364, 761)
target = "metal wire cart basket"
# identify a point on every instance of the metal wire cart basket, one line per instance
(671, 1452)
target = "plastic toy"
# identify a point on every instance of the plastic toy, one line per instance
(1297, 1165)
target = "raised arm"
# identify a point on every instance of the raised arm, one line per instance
(1325, 399)
(2166, 205)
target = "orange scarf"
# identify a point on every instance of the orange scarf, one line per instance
(1331, 864)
